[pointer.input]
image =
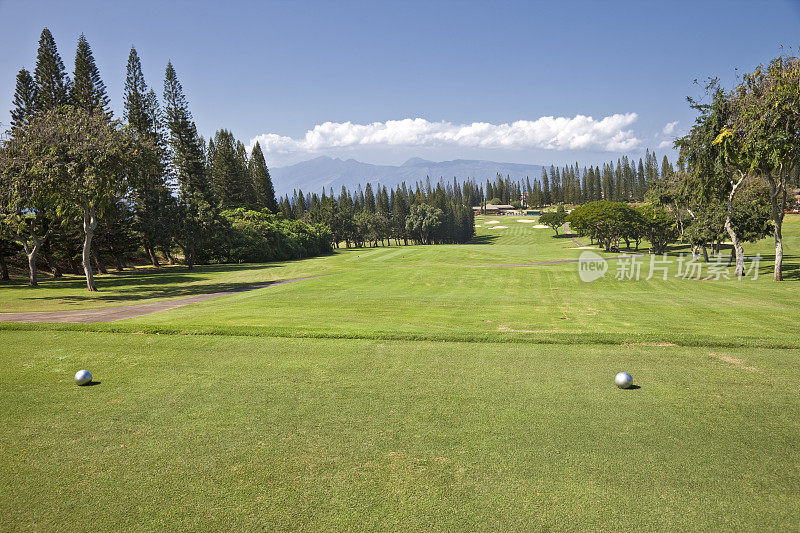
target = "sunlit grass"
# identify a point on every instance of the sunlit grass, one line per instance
(432, 393)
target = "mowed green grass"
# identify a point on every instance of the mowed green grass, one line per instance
(430, 392)
(188, 432)
(448, 293)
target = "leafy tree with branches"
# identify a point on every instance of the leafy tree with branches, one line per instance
(77, 157)
(657, 226)
(423, 221)
(714, 153)
(768, 119)
(554, 219)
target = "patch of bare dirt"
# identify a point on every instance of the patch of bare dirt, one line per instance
(629, 344)
(733, 361)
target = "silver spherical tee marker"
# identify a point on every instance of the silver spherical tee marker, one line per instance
(623, 380)
(83, 377)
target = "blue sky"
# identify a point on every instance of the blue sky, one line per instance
(439, 80)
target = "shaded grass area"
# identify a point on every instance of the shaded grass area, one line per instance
(241, 433)
(141, 285)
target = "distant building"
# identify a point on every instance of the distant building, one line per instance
(492, 209)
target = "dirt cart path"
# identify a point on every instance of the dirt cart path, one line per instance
(111, 314)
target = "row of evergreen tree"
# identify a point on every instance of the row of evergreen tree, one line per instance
(624, 182)
(375, 214)
(178, 193)
(422, 215)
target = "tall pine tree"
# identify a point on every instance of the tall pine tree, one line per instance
(135, 112)
(88, 91)
(265, 192)
(24, 99)
(52, 82)
(229, 171)
(187, 163)
(153, 204)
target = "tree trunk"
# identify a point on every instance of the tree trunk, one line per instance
(32, 246)
(152, 255)
(120, 263)
(190, 257)
(48, 255)
(777, 195)
(778, 273)
(737, 246)
(3, 268)
(705, 254)
(101, 267)
(89, 225)
(170, 259)
(32, 265)
(678, 218)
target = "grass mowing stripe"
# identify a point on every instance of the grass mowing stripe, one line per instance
(505, 337)
(366, 254)
(392, 254)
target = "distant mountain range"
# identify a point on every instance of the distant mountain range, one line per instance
(313, 175)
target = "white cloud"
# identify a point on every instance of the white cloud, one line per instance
(665, 144)
(580, 132)
(670, 127)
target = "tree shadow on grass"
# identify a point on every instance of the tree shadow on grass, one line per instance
(173, 282)
(483, 239)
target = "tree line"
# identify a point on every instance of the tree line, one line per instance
(79, 187)
(439, 214)
(373, 215)
(622, 181)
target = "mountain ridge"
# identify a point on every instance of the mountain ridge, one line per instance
(325, 171)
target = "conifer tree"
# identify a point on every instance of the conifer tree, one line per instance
(666, 168)
(369, 198)
(243, 171)
(400, 210)
(608, 182)
(196, 200)
(152, 203)
(299, 207)
(136, 112)
(88, 91)
(585, 187)
(265, 192)
(618, 183)
(229, 172)
(24, 99)
(52, 82)
(546, 199)
(641, 181)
